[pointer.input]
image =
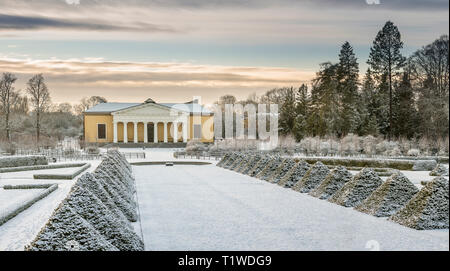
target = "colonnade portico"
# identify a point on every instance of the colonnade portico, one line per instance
(165, 125)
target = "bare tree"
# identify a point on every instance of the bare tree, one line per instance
(8, 95)
(40, 99)
(86, 103)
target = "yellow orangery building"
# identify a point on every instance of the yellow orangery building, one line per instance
(148, 122)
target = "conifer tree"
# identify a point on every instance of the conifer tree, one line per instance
(347, 74)
(386, 60)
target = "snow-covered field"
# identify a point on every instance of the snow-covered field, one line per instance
(210, 208)
(20, 230)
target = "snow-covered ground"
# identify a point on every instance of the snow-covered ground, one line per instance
(22, 229)
(189, 207)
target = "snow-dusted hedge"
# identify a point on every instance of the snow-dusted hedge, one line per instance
(244, 162)
(428, 209)
(21, 161)
(251, 164)
(241, 157)
(271, 169)
(39, 167)
(258, 167)
(389, 197)
(96, 214)
(424, 165)
(57, 176)
(312, 178)
(11, 212)
(288, 164)
(375, 163)
(334, 181)
(358, 189)
(231, 159)
(295, 174)
(224, 159)
(439, 170)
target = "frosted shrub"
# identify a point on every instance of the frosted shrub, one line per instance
(350, 144)
(382, 147)
(287, 144)
(424, 145)
(334, 147)
(414, 152)
(395, 152)
(325, 148)
(368, 145)
(391, 148)
(195, 146)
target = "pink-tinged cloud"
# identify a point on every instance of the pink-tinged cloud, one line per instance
(70, 80)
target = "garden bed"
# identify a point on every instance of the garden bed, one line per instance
(11, 212)
(40, 167)
(62, 176)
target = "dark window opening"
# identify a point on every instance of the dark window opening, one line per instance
(101, 131)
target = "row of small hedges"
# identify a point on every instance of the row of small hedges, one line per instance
(11, 212)
(39, 167)
(96, 214)
(20, 161)
(375, 163)
(62, 176)
(396, 198)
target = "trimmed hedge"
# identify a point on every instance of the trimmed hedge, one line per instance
(21, 161)
(62, 176)
(39, 167)
(91, 216)
(375, 163)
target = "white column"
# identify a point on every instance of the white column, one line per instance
(135, 132)
(165, 132)
(185, 132)
(175, 131)
(115, 132)
(145, 132)
(155, 132)
(125, 132)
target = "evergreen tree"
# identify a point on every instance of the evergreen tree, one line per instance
(404, 115)
(287, 111)
(347, 75)
(324, 116)
(302, 112)
(369, 106)
(385, 59)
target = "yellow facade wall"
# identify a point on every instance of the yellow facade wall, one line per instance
(90, 128)
(91, 121)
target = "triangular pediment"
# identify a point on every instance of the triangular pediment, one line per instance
(146, 109)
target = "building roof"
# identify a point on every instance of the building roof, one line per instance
(113, 107)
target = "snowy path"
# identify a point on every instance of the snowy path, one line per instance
(210, 208)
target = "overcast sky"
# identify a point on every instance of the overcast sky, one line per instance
(172, 50)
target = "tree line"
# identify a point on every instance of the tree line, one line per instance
(398, 97)
(30, 119)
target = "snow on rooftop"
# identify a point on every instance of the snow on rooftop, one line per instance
(112, 107)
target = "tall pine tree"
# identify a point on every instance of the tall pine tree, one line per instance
(385, 59)
(347, 75)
